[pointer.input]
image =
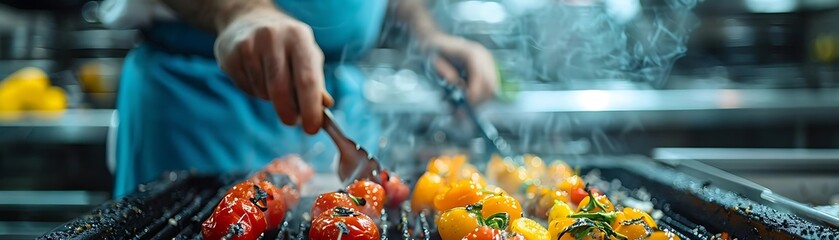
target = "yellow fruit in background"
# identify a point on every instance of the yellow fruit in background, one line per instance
(51, 99)
(26, 82)
(35, 76)
(9, 101)
(91, 78)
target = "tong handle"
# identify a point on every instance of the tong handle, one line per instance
(457, 96)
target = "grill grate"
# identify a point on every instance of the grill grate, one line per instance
(175, 207)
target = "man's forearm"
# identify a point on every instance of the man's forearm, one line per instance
(416, 15)
(214, 15)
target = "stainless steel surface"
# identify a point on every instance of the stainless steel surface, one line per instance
(48, 198)
(804, 175)
(757, 158)
(750, 189)
(72, 126)
(605, 110)
(354, 162)
(27, 214)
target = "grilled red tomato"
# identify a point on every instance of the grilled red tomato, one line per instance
(244, 190)
(343, 223)
(234, 218)
(275, 204)
(396, 191)
(328, 201)
(577, 194)
(293, 166)
(372, 192)
(288, 189)
(485, 233)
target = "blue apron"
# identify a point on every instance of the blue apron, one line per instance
(179, 111)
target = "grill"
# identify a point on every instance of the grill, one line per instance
(174, 207)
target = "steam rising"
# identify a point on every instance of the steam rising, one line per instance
(569, 44)
(578, 41)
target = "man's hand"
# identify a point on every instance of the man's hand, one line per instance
(458, 53)
(273, 56)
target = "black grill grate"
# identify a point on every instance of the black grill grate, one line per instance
(175, 207)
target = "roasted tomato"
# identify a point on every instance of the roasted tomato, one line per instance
(512, 180)
(234, 218)
(529, 229)
(244, 190)
(571, 183)
(328, 201)
(632, 213)
(485, 233)
(424, 191)
(439, 165)
(547, 200)
(601, 205)
(288, 188)
(467, 172)
(556, 171)
(458, 194)
(343, 223)
(556, 227)
(457, 222)
(633, 223)
(298, 170)
(275, 206)
(497, 166)
(501, 204)
(559, 211)
(535, 166)
(373, 193)
(396, 190)
(576, 195)
(291, 195)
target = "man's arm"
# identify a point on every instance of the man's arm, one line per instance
(415, 14)
(454, 52)
(266, 53)
(214, 15)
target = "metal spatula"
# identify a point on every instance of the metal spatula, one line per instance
(355, 162)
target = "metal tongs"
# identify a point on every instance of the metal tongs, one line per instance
(354, 162)
(457, 97)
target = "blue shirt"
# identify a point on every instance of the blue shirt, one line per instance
(179, 111)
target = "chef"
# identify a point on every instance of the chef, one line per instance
(212, 81)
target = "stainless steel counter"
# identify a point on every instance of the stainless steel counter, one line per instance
(584, 110)
(805, 175)
(69, 126)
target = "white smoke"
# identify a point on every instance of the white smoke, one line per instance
(576, 41)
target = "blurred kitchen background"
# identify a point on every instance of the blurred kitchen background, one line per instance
(747, 86)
